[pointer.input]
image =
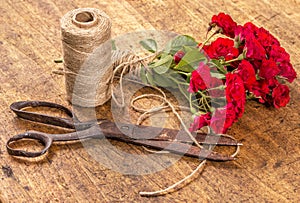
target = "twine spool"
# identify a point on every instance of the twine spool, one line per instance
(87, 52)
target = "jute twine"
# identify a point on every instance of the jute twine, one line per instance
(86, 34)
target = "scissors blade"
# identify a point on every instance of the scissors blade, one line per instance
(202, 138)
(184, 149)
(140, 132)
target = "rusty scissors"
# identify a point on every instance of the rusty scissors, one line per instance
(176, 141)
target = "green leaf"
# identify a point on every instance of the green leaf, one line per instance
(150, 78)
(149, 45)
(190, 61)
(162, 55)
(177, 76)
(143, 76)
(162, 65)
(184, 90)
(179, 42)
(187, 49)
(218, 75)
(219, 66)
(164, 81)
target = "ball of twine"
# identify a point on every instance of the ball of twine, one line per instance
(86, 34)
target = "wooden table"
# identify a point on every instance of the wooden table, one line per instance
(267, 168)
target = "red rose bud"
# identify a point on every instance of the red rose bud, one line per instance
(178, 56)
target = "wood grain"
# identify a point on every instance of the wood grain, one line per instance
(267, 169)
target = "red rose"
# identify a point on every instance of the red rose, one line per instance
(254, 50)
(221, 48)
(199, 78)
(249, 34)
(272, 83)
(246, 71)
(235, 90)
(218, 121)
(225, 22)
(268, 69)
(256, 64)
(200, 121)
(260, 89)
(281, 95)
(278, 54)
(251, 27)
(287, 71)
(223, 118)
(245, 31)
(266, 39)
(235, 93)
(282, 58)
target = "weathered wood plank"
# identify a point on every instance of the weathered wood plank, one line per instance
(267, 168)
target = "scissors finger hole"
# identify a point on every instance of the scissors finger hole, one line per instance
(50, 111)
(29, 144)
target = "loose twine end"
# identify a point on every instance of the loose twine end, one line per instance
(173, 187)
(188, 178)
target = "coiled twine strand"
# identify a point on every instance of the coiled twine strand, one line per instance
(86, 34)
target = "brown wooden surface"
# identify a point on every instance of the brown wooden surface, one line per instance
(267, 168)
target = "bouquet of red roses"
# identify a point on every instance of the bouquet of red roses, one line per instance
(241, 62)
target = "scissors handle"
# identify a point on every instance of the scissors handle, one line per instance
(47, 140)
(42, 137)
(19, 109)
